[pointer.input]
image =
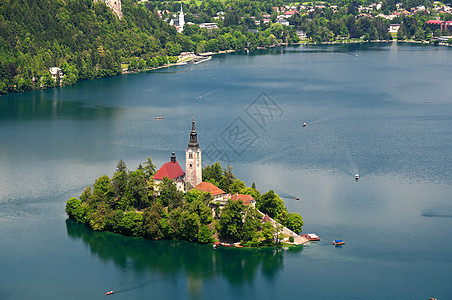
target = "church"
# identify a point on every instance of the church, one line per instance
(192, 176)
(180, 21)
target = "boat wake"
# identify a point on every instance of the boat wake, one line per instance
(431, 214)
(148, 282)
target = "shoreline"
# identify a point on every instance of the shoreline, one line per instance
(306, 43)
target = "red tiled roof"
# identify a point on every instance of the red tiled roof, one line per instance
(265, 219)
(290, 12)
(170, 170)
(245, 198)
(210, 188)
(434, 22)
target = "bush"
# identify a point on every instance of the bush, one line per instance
(291, 239)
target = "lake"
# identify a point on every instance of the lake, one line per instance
(380, 110)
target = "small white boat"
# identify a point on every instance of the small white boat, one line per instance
(109, 293)
(356, 177)
(304, 124)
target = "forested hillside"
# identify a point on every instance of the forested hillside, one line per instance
(86, 40)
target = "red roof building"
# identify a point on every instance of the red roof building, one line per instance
(246, 199)
(218, 194)
(266, 219)
(209, 188)
(173, 171)
(434, 22)
(290, 12)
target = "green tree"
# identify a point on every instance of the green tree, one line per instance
(271, 204)
(149, 168)
(137, 190)
(152, 217)
(231, 220)
(205, 235)
(75, 210)
(295, 222)
(131, 224)
(169, 195)
(121, 178)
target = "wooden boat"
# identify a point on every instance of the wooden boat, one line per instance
(338, 243)
(109, 293)
(313, 237)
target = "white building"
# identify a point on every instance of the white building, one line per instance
(283, 22)
(57, 74)
(208, 25)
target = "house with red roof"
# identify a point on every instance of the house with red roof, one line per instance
(219, 196)
(247, 200)
(290, 13)
(173, 171)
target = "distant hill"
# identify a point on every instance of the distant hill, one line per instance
(85, 39)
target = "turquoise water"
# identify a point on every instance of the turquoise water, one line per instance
(380, 110)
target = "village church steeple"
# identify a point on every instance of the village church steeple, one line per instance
(193, 166)
(181, 19)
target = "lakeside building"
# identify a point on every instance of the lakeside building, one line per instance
(394, 28)
(57, 74)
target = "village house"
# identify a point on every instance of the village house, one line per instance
(57, 74)
(247, 200)
(283, 22)
(219, 196)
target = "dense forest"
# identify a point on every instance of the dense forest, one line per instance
(87, 40)
(130, 204)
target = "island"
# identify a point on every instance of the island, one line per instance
(209, 205)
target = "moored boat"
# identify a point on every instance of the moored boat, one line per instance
(304, 124)
(338, 243)
(313, 237)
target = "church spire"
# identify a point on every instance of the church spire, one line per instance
(173, 157)
(193, 135)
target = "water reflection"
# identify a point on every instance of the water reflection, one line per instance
(171, 258)
(42, 104)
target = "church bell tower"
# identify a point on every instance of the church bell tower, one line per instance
(193, 167)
